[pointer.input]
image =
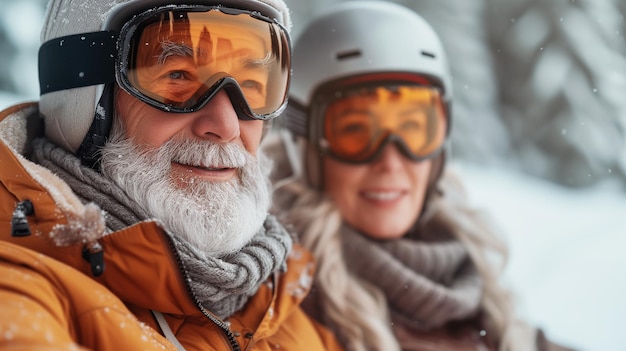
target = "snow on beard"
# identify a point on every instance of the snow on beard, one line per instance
(217, 218)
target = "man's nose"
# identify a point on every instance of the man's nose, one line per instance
(217, 120)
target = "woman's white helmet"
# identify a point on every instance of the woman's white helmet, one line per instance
(360, 38)
(69, 113)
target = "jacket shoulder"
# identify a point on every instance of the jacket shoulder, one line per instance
(52, 304)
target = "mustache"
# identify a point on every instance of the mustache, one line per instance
(203, 153)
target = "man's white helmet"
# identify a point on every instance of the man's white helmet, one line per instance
(69, 113)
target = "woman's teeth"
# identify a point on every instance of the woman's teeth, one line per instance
(382, 195)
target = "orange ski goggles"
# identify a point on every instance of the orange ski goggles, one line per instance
(177, 57)
(355, 124)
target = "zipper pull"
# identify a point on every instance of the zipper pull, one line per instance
(19, 223)
(94, 254)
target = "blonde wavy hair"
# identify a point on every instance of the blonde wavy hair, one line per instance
(357, 311)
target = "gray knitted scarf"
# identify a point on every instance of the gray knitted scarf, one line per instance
(222, 285)
(427, 284)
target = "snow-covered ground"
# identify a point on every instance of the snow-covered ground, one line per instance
(567, 263)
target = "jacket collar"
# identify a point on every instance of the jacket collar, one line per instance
(127, 272)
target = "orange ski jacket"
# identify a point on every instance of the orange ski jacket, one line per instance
(51, 300)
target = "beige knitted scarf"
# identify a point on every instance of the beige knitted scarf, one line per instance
(427, 284)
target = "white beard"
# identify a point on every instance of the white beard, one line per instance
(217, 218)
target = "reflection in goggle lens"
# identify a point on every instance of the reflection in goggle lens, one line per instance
(176, 58)
(361, 122)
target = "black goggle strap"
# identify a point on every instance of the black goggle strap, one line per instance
(78, 60)
(82, 60)
(89, 149)
(295, 118)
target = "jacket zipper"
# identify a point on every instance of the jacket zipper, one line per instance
(228, 333)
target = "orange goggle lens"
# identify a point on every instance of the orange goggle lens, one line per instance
(359, 124)
(176, 59)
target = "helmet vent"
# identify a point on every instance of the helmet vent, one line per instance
(428, 54)
(348, 54)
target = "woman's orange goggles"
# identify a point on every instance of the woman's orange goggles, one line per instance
(357, 124)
